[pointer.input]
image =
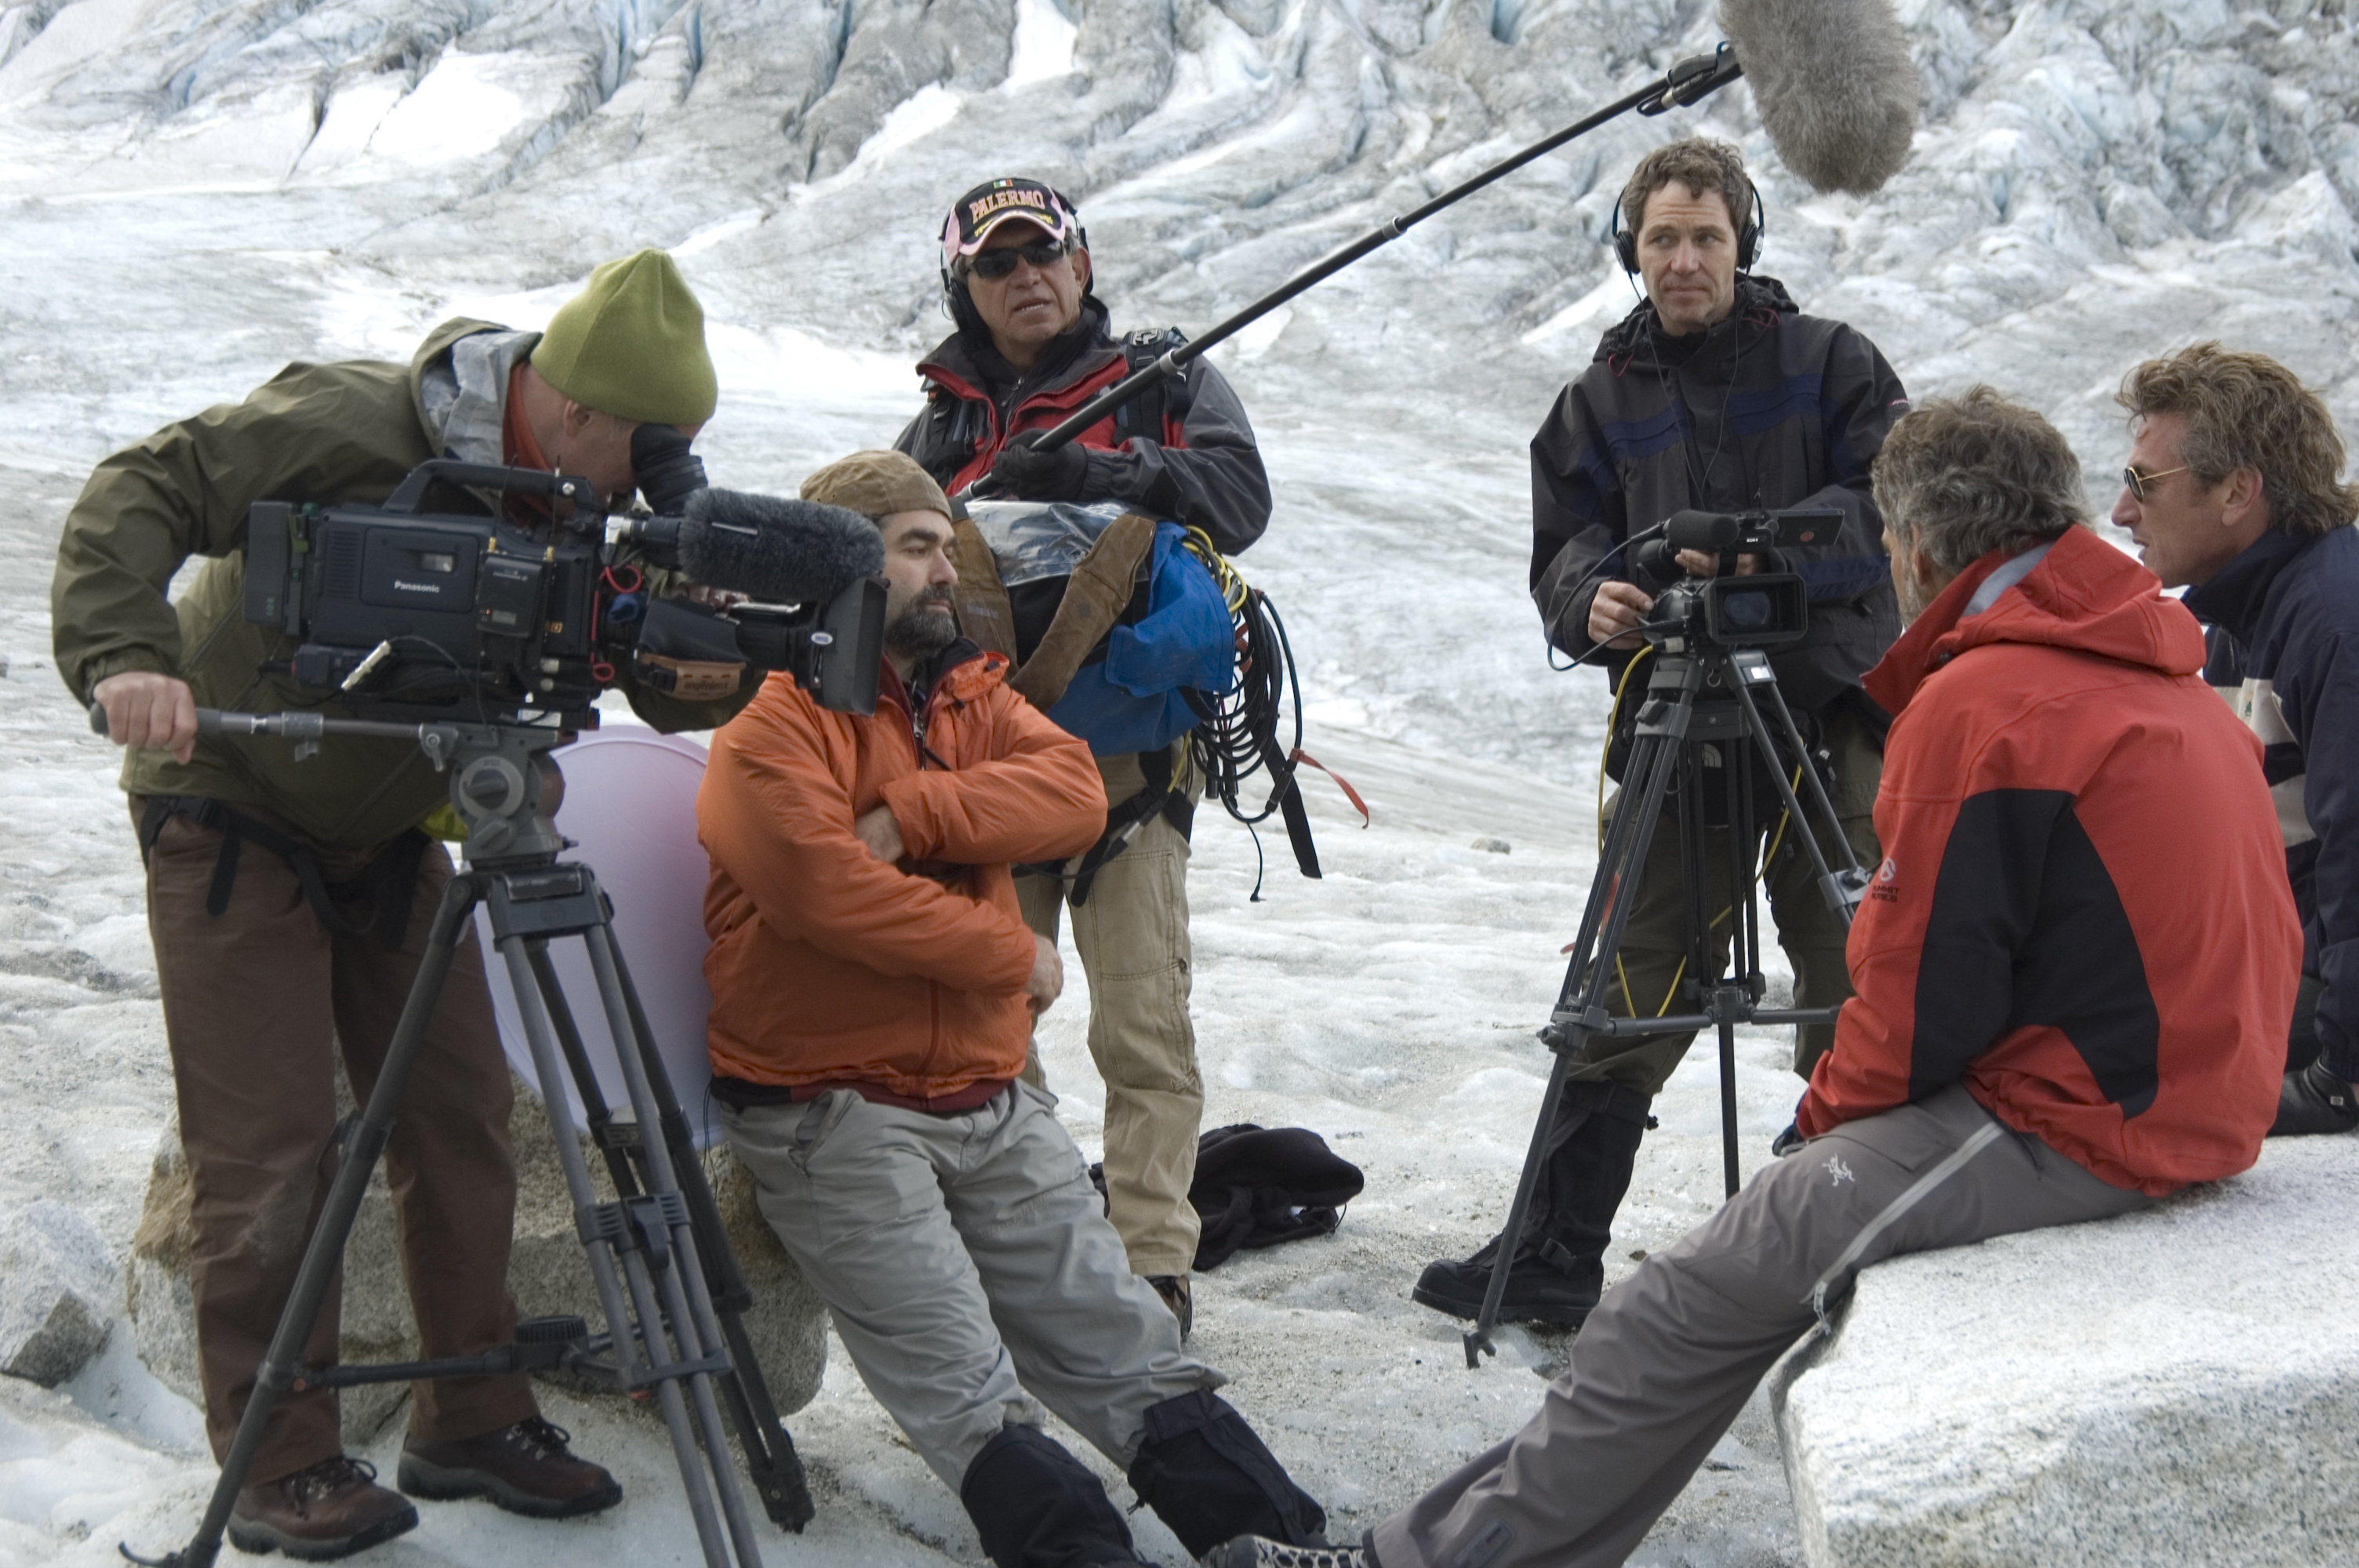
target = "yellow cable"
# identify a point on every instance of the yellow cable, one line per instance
(1613, 721)
(1760, 871)
(1232, 586)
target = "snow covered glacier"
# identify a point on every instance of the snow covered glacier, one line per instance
(196, 191)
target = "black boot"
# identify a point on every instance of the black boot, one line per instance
(1035, 1506)
(1207, 1476)
(1560, 1269)
(2314, 1100)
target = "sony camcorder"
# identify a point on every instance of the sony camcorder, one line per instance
(526, 614)
(1761, 611)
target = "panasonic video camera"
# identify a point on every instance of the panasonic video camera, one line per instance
(406, 614)
(1762, 611)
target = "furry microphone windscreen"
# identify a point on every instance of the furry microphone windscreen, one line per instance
(1835, 83)
(776, 550)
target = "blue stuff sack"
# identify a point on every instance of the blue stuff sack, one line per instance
(1133, 699)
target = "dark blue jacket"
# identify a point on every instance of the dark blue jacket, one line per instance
(2281, 628)
(1768, 408)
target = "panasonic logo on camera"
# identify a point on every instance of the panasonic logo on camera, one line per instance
(433, 587)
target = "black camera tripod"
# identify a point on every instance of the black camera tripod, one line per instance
(1702, 693)
(666, 1279)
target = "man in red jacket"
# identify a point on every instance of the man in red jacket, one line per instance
(873, 985)
(2081, 934)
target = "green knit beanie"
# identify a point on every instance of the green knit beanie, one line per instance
(632, 344)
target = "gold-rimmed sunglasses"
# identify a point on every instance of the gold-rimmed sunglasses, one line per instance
(2139, 482)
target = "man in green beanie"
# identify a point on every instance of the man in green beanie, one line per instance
(288, 897)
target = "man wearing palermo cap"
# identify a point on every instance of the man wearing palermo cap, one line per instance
(1032, 346)
(288, 901)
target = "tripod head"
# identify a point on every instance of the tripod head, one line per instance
(504, 784)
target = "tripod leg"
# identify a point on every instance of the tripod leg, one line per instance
(771, 1462)
(1607, 913)
(594, 1109)
(684, 1287)
(1745, 947)
(325, 1253)
(625, 1324)
(1842, 891)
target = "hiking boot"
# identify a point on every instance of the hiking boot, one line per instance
(1260, 1551)
(525, 1469)
(1173, 1289)
(2314, 1100)
(1541, 1287)
(323, 1511)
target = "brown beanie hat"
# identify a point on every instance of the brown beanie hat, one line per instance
(876, 484)
(632, 344)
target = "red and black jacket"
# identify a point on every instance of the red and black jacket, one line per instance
(1186, 453)
(2082, 913)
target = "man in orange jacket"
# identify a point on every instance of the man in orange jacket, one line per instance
(873, 985)
(2048, 1027)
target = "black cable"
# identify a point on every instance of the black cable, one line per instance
(1227, 741)
(1640, 537)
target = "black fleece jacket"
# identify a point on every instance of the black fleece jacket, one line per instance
(1768, 408)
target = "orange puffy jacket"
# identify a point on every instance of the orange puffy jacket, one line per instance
(829, 966)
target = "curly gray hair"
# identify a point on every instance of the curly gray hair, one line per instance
(1959, 476)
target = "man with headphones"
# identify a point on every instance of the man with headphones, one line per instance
(1716, 393)
(1033, 345)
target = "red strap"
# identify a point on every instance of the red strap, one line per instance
(1301, 757)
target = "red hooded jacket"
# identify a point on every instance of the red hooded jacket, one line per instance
(2082, 912)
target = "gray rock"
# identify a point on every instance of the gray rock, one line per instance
(786, 1323)
(57, 1277)
(2178, 1386)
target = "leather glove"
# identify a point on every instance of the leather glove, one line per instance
(1023, 469)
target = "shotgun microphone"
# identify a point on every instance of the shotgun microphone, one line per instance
(777, 550)
(1835, 86)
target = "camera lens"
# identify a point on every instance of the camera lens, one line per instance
(1748, 611)
(668, 472)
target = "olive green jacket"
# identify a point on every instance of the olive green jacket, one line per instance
(333, 434)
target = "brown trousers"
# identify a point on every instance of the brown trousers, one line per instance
(257, 1000)
(1654, 945)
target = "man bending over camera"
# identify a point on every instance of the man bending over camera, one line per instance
(289, 896)
(2027, 962)
(873, 985)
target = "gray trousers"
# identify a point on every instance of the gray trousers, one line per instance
(1672, 1353)
(969, 1267)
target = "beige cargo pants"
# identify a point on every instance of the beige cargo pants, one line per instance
(1131, 932)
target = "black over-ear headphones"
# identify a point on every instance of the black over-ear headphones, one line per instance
(1748, 238)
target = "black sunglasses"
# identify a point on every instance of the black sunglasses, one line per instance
(996, 264)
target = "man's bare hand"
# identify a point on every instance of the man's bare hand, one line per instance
(150, 711)
(1048, 982)
(1614, 613)
(1704, 563)
(877, 829)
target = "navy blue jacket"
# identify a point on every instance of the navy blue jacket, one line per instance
(2281, 632)
(1768, 408)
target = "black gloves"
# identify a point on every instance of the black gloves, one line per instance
(1023, 469)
